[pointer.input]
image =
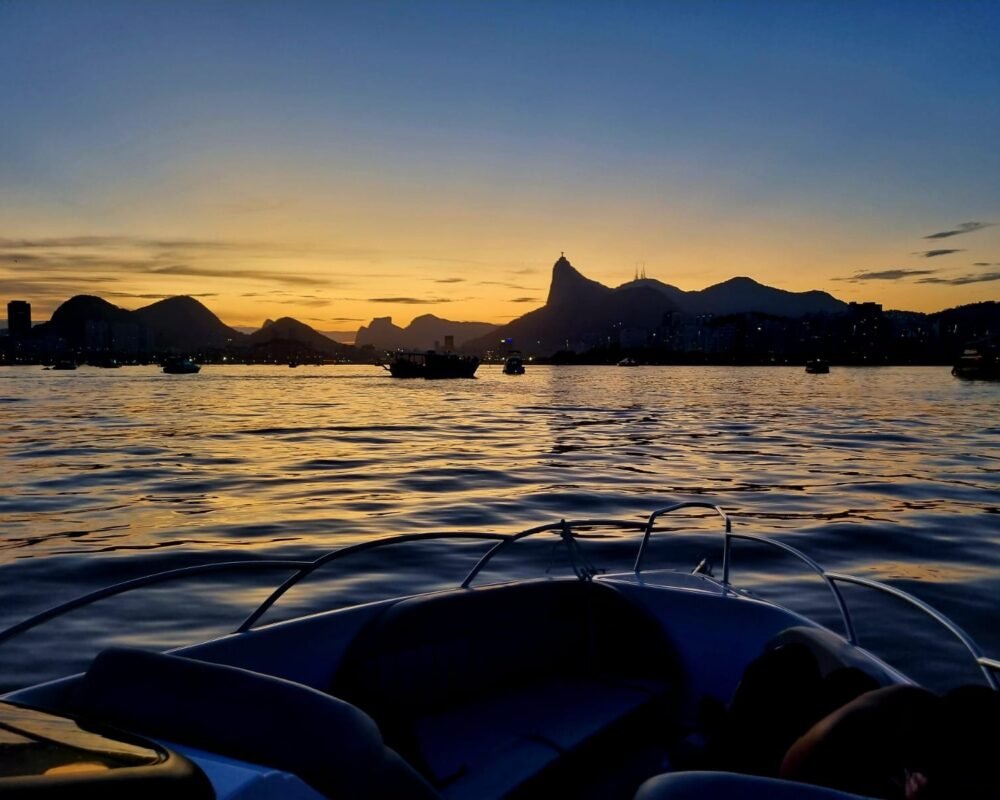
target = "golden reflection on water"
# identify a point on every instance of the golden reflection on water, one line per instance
(254, 457)
(892, 472)
(935, 572)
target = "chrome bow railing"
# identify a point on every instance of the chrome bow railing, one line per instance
(568, 531)
(988, 666)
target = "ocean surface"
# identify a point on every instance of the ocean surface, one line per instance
(889, 473)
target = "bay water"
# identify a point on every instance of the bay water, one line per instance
(888, 473)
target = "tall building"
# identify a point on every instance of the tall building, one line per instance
(18, 318)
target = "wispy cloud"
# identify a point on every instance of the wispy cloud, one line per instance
(141, 242)
(987, 264)
(412, 301)
(506, 285)
(154, 296)
(246, 274)
(525, 300)
(314, 302)
(963, 280)
(131, 256)
(449, 280)
(936, 253)
(962, 227)
(886, 275)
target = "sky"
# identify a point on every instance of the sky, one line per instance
(337, 161)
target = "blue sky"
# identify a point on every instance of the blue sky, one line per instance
(373, 149)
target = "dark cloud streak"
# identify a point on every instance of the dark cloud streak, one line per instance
(247, 274)
(413, 301)
(964, 280)
(962, 227)
(936, 253)
(886, 275)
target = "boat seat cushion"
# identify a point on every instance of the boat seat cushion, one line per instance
(456, 678)
(555, 717)
(328, 743)
(732, 786)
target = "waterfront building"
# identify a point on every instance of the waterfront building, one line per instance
(18, 318)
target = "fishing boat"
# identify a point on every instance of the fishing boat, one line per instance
(582, 686)
(818, 366)
(514, 365)
(628, 361)
(980, 360)
(180, 366)
(431, 364)
(67, 365)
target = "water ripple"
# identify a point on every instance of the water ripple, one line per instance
(109, 474)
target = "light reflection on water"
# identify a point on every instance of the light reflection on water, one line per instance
(109, 474)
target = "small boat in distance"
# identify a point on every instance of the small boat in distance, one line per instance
(817, 366)
(64, 365)
(431, 364)
(514, 364)
(628, 361)
(180, 366)
(980, 360)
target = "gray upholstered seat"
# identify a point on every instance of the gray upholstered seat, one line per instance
(326, 742)
(505, 681)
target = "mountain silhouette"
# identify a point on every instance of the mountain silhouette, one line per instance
(570, 286)
(292, 333)
(582, 313)
(71, 319)
(423, 333)
(185, 324)
(174, 324)
(745, 295)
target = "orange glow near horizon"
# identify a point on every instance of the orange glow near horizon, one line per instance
(338, 162)
(462, 269)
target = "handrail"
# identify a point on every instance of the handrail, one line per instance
(986, 665)
(565, 529)
(648, 527)
(583, 569)
(350, 550)
(845, 614)
(136, 583)
(934, 614)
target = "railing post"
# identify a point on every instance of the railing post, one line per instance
(727, 543)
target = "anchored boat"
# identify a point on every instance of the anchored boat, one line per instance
(576, 687)
(180, 366)
(514, 365)
(431, 364)
(979, 361)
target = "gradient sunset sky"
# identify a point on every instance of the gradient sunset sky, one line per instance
(335, 161)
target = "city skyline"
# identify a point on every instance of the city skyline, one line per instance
(343, 161)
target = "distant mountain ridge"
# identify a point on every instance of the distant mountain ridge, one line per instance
(292, 333)
(184, 323)
(423, 333)
(581, 312)
(175, 323)
(178, 323)
(745, 295)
